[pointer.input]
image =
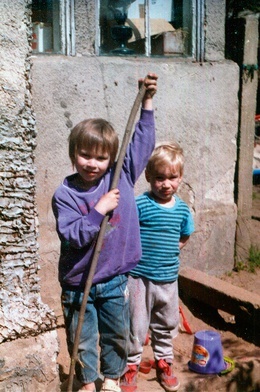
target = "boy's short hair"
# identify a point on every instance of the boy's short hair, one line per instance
(93, 134)
(166, 155)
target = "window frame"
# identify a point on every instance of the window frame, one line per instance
(197, 40)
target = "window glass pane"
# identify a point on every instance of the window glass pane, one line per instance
(114, 31)
(142, 27)
(136, 20)
(46, 26)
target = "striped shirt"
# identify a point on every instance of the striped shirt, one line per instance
(161, 229)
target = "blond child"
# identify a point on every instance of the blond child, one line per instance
(166, 225)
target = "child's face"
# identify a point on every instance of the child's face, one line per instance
(91, 165)
(164, 184)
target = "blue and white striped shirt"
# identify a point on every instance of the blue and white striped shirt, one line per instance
(161, 229)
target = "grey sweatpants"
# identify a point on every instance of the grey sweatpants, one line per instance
(153, 306)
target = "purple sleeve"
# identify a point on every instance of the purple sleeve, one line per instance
(71, 225)
(141, 146)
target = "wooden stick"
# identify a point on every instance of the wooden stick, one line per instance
(99, 242)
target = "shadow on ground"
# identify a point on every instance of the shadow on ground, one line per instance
(212, 317)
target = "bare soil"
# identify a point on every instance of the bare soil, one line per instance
(239, 345)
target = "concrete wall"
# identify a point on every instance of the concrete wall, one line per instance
(195, 105)
(27, 325)
(215, 14)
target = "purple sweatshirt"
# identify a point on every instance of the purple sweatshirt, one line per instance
(78, 223)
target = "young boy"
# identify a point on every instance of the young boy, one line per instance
(79, 206)
(166, 224)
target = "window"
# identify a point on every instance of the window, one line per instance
(151, 28)
(53, 26)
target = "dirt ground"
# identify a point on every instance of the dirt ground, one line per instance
(238, 345)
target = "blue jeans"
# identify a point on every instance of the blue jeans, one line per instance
(106, 321)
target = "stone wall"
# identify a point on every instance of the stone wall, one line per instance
(28, 349)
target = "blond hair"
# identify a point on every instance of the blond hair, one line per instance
(93, 134)
(166, 155)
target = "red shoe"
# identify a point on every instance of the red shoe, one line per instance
(128, 382)
(166, 377)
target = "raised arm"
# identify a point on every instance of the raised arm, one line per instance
(150, 82)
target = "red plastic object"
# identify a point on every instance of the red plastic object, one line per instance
(153, 364)
(145, 367)
(147, 339)
(185, 322)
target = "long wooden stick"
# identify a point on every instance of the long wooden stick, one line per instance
(99, 242)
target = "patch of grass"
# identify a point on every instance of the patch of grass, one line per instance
(229, 274)
(254, 258)
(253, 261)
(240, 266)
(256, 195)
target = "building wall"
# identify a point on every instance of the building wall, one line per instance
(27, 325)
(196, 105)
(215, 12)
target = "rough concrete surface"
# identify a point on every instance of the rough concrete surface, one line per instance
(30, 364)
(217, 294)
(28, 352)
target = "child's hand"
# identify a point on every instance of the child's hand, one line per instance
(150, 83)
(108, 202)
